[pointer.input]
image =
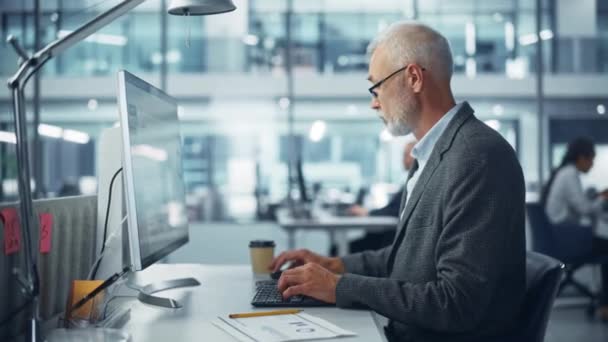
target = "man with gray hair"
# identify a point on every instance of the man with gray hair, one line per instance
(456, 269)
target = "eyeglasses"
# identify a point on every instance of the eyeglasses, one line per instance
(372, 89)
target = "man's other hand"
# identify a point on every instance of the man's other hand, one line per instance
(301, 257)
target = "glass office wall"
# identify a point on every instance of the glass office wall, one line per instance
(129, 42)
(496, 37)
(235, 152)
(235, 168)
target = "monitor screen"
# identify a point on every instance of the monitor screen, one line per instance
(152, 170)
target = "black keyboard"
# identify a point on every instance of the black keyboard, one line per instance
(267, 294)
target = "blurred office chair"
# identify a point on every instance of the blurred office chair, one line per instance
(543, 277)
(571, 246)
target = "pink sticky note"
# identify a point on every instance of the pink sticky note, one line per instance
(46, 228)
(12, 231)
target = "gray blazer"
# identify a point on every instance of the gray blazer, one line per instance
(456, 269)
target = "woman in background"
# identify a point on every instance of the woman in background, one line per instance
(566, 206)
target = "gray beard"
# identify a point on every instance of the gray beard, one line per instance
(408, 110)
(398, 128)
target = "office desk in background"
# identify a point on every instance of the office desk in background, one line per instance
(335, 226)
(224, 289)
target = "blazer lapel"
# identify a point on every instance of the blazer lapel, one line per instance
(443, 144)
(404, 193)
(426, 175)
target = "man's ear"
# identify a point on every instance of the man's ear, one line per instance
(415, 78)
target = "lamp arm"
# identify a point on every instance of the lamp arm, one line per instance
(13, 82)
(28, 68)
(17, 83)
(24, 184)
(34, 69)
(20, 51)
(87, 29)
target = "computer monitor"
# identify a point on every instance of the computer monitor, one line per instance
(152, 171)
(301, 182)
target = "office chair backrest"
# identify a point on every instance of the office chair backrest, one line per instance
(543, 239)
(543, 276)
(572, 245)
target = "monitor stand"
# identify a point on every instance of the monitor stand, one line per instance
(145, 292)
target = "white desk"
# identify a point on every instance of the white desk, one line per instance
(335, 226)
(223, 290)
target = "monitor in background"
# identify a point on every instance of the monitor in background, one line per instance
(299, 206)
(153, 178)
(301, 182)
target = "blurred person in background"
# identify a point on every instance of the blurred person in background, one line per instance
(377, 240)
(567, 206)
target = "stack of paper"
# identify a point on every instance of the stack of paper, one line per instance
(280, 328)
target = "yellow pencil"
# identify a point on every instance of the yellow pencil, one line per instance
(265, 313)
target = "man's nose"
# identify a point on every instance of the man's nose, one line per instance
(375, 104)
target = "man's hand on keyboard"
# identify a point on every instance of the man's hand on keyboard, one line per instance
(301, 257)
(312, 280)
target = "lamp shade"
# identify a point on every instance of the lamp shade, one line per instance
(200, 7)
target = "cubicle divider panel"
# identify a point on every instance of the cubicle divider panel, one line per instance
(70, 256)
(11, 295)
(72, 251)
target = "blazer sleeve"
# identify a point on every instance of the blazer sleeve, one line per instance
(369, 263)
(482, 204)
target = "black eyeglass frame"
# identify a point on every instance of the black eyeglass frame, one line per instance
(372, 89)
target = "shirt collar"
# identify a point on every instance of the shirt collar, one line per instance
(423, 148)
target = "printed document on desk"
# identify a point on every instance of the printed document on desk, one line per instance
(280, 328)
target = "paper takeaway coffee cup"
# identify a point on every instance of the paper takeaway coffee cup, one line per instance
(262, 252)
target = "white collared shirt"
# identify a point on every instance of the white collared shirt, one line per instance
(566, 201)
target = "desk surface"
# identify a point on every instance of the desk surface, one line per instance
(327, 221)
(224, 289)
